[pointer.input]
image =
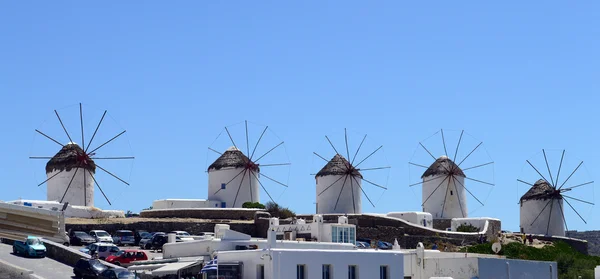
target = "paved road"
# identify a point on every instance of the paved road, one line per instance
(46, 267)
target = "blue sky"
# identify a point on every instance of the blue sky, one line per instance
(518, 76)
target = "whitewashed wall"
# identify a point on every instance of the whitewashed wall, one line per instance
(326, 201)
(419, 218)
(184, 203)
(453, 194)
(249, 191)
(530, 210)
(76, 194)
(478, 222)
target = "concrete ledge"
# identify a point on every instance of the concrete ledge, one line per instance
(202, 213)
(10, 271)
(66, 255)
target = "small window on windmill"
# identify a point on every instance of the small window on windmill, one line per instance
(223, 204)
(451, 193)
(223, 185)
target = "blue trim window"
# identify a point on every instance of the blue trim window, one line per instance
(223, 185)
(300, 272)
(352, 274)
(326, 271)
(223, 204)
(384, 272)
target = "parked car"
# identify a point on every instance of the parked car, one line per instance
(126, 257)
(123, 237)
(103, 249)
(117, 273)
(146, 241)
(182, 236)
(101, 236)
(158, 240)
(138, 235)
(362, 245)
(31, 247)
(81, 238)
(88, 268)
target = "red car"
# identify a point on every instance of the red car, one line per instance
(126, 257)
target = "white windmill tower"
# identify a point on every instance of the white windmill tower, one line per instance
(234, 177)
(71, 173)
(339, 182)
(542, 206)
(444, 191)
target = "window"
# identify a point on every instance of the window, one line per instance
(341, 234)
(102, 248)
(384, 272)
(327, 271)
(300, 271)
(352, 272)
(260, 271)
(223, 204)
(223, 185)
(450, 192)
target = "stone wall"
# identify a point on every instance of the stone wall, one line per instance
(193, 226)
(580, 245)
(203, 213)
(442, 224)
(592, 237)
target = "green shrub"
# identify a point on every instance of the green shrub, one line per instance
(278, 211)
(253, 205)
(467, 228)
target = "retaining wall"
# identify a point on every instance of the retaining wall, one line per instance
(203, 213)
(193, 226)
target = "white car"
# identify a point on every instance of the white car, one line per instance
(101, 236)
(182, 236)
(103, 249)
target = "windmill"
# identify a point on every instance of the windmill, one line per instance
(71, 172)
(234, 177)
(542, 206)
(444, 187)
(339, 182)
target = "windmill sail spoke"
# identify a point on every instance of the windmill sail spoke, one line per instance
(458, 144)
(469, 154)
(215, 151)
(549, 172)
(40, 157)
(105, 143)
(549, 216)
(575, 211)
(562, 213)
(560, 166)
(579, 200)
(273, 180)
(347, 149)
(332, 146)
(445, 197)
(257, 142)
(368, 156)
(352, 190)
(330, 185)
(375, 184)
(525, 182)
(461, 184)
(358, 149)
(84, 186)
(478, 166)
(101, 191)
(82, 139)
(575, 170)
(230, 180)
(95, 131)
(424, 181)
(341, 191)
(459, 202)
(112, 175)
(239, 187)
(444, 142)
(50, 138)
(50, 178)
(268, 152)
(363, 191)
(63, 126)
(275, 165)
(69, 186)
(427, 151)
(113, 158)
(541, 211)
(250, 179)
(425, 167)
(378, 168)
(261, 185)
(576, 186)
(321, 157)
(436, 188)
(480, 181)
(247, 141)
(230, 138)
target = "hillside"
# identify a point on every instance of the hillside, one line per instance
(592, 237)
(571, 263)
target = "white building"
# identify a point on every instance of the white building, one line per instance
(71, 174)
(338, 187)
(541, 210)
(418, 218)
(340, 232)
(444, 194)
(233, 179)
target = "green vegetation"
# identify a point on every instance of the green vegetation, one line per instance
(467, 228)
(253, 205)
(571, 263)
(278, 211)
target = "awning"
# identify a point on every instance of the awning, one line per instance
(173, 268)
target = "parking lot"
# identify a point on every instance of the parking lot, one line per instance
(151, 253)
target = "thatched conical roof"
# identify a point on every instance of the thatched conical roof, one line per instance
(231, 158)
(338, 165)
(541, 190)
(69, 157)
(443, 166)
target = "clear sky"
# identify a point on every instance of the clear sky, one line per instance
(520, 76)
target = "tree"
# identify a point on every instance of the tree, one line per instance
(278, 211)
(253, 205)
